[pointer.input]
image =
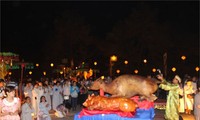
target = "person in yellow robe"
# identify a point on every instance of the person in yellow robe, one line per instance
(172, 105)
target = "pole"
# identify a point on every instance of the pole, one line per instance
(20, 86)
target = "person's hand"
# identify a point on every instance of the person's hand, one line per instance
(160, 77)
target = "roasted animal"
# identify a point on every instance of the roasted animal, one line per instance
(128, 86)
(110, 103)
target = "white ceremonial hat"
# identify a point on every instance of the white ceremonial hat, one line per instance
(178, 78)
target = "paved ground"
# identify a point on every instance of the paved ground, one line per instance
(159, 115)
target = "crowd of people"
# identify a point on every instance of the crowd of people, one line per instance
(58, 95)
(64, 95)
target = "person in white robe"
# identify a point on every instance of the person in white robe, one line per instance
(28, 90)
(66, 94)
(57, 95)
(47, 93)
(27, 110)
(189, 100)
(44, 107)
(37, 92)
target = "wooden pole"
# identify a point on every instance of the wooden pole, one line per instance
(21, 80)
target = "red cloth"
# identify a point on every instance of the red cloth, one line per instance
(143, 104)
(86, 112)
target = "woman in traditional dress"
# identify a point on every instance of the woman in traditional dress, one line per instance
(44, 108)
(27, 109)
(10, 106)
(171, 112)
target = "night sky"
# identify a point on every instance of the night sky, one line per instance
(44, 32)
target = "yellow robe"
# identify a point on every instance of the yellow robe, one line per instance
(171, 112)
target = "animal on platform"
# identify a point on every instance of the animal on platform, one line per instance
(128, 86)
(110, 103)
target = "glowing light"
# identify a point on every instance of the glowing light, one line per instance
(61, 72)
(95, 63)
(136, 71)
(30, 72)
(126, 62)
(173, 69)
(145, 60)
(44, 73)
(197, 69)
(10, 73)
(154, 70)
(102, 77)
(183, 57)
(51, 64)
(113, 58)
(37, 65)
(118, 71)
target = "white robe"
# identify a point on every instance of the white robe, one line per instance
(26, 112)
(47, 93)
(36, 93)
(44, 111)
(28, 91)
(188, 102)
(57, 97)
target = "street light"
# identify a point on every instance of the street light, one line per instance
(44, 73)
(173, 69)
(197, 69)
(113, 59)
(154, 70)
(183, 57)
(95, 63)
(30, 72)
(125, 62)
(145, 61)
(37, 65)
(136, 71)
(51, 64)
(118, 71)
